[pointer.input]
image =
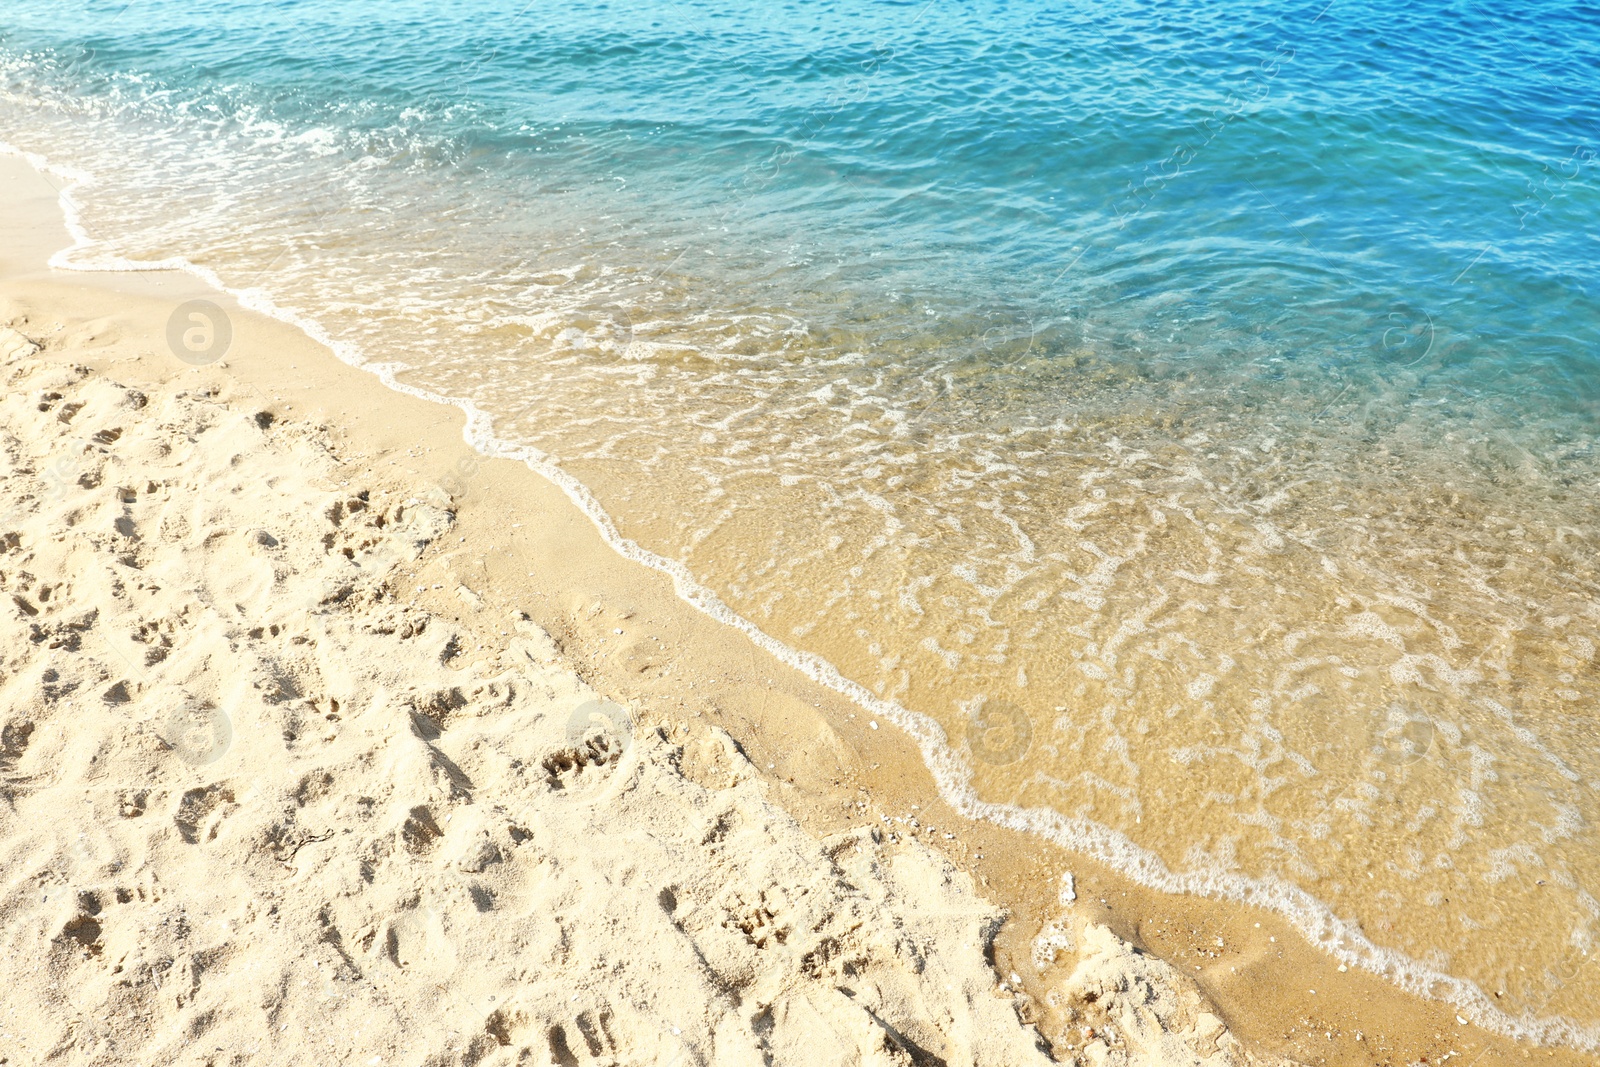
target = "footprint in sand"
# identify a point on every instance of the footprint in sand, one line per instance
(598, 735)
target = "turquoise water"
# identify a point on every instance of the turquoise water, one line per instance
(1210, 389)
(1307, 179)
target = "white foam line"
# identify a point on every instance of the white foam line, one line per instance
(1341, 938)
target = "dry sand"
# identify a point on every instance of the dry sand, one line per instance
(306, 759)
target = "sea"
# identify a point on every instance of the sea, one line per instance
(1181, 417)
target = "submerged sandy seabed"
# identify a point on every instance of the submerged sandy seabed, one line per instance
(304, 755)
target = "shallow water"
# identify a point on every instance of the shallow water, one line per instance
(1191, 409)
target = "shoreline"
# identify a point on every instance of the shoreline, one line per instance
(1018, 870)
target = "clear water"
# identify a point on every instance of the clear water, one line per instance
(1182, 415)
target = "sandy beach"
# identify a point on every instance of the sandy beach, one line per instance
(326, 739)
